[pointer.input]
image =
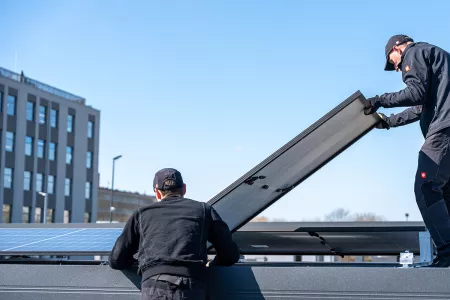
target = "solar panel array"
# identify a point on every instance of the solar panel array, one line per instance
(57, 240)
(292, 238)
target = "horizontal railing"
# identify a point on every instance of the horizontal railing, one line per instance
(41, 86)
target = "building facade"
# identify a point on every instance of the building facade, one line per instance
(124, 204)
(49, 141)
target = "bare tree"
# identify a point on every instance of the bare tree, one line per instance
(370, 217)
(339, 214)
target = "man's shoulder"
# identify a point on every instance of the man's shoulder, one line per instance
(146, 206)
(202, 204)
(423, 45)
(417, 49)
(427, 49)
(196, 202)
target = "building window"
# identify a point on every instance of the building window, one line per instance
(68, 155)
(28, 146)
(41, 147)
(52, 151)
(8, 178)
(25, 214)
(89, 160)
(37, 215)
(90, 129)
(70, 123)
(42, 114)
(66, 216)
(50, 184)
(9, 145)
(87, 190)
(30, 111)
(67, 187)
(6, 213)
(39, 182)
(11, 105)
(26, 180)
(1, 101)
(50, 215)
(53, 118)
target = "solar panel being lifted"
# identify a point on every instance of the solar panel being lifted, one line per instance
(294, 162)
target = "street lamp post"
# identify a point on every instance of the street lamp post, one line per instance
(112, 188)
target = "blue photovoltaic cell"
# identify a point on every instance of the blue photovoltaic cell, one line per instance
(58, 240)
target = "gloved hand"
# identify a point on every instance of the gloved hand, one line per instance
(372, 105)
(384, 122)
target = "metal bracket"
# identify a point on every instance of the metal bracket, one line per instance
(406, 259)
(426, 247)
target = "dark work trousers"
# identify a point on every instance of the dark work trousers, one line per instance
(176, 288)
(432, 188)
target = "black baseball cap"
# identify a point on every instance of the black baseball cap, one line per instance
(167, 174)
(394, 41)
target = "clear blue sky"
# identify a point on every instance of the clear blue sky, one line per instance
(214, 87)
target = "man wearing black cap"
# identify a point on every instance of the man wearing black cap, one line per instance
(426, 72)
(170, 237)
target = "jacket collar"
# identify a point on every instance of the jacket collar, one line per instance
(171, 197)
(404, 54)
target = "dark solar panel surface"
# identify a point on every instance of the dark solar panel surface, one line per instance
(294, 162)
(337, 243)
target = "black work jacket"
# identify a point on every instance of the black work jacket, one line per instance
(425, 71)
(171, 238)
